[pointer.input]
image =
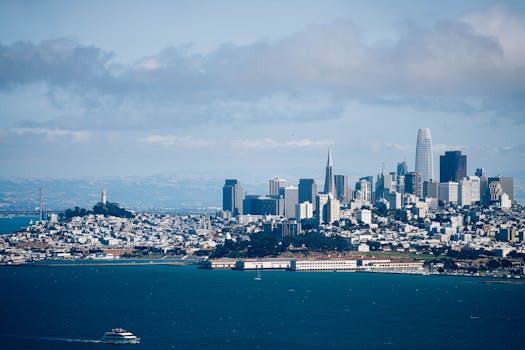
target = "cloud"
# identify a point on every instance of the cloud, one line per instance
(56, 135)
(471, 64)
(59, 62)
(173, 140)
(237, 144)
(512, 151)
(268, 143)
(436, 148)
(442, 148)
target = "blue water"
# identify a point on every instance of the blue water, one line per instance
(10, 225)
(173, 307)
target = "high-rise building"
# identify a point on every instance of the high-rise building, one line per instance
(402, 168)
(232, 197)
(507, 184)
(370, 183)
(385, 183)
(413, 183)
(333, 210)
(304, 210)
(341, 189)
(469, 191)
(400, 187)
(321, 202)
(431, 189)
(464, 197)
(424, 159)
(452, 166)
(274, 185)
(307, 191)
(329, 181)
(480, 172)
(291, 199)
(448, 192)
(363, 191)
(261, 205)
(394, 199)
(328, 209)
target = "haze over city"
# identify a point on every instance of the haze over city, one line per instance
(261, 90)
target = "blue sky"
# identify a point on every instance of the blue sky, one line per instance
(257, 89)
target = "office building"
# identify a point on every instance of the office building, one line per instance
(329, 181)
(505, 202)
(385, 183)
(304, 210)
(507, 184)
(333, 210)
(366, 186)
(400, 187)
(288, 228)
(261, 205)
(480, 172)
(402, 169)
(431, 189)
(424, 159)
(364, 216)
(452, 166)
(232, 197)
(328, 209)
(291, 199)
(321, 202)
(307, 191)
(413, 184)
(341, 189)
(274, 185)
(394, 199)
(469, 191)
(448, 192)
(363, 191)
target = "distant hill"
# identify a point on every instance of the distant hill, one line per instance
(136, 193)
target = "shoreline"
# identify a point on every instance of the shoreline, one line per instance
(508, 280)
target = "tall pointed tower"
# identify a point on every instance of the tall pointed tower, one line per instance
(329, 181)
(424, 160)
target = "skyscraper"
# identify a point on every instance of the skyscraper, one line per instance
(307, 191)
(329, 181)
(291, 195)
(452, 166)
(274, 185)
(232, 197)
(402, 168)
(424, 160)
(341, 188)
(413, 183)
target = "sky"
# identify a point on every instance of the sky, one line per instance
(258, 89)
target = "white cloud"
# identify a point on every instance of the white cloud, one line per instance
(441, 148)
(268, 143)
(56, 135)
(173, 140)
(445, 66)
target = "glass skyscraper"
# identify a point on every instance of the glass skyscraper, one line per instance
(452, 166)
(424, 159)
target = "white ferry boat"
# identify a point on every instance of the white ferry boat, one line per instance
(120, 336)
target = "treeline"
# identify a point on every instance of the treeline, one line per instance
(265, 244)
(109, 209)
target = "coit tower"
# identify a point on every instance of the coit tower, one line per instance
(424, 159)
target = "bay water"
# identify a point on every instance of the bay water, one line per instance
(174, 307)
(15, 223)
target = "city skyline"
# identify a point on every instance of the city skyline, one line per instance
(77, 102)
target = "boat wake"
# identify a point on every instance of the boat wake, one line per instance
(57, 339)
